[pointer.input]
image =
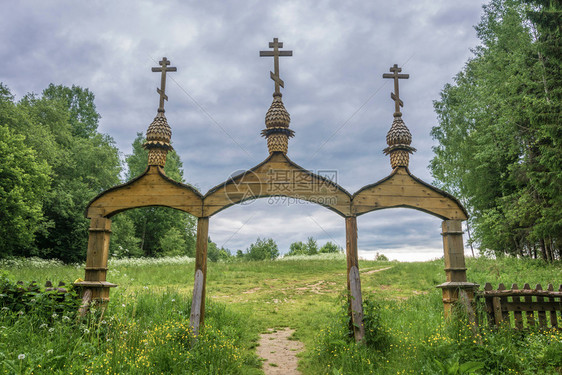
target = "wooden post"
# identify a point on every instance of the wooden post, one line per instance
(353, 280)
(96, 263)
(197, 317)
(455, 268)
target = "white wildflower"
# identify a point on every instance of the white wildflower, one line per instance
(21, 356)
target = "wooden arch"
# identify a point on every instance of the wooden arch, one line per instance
(152, 188)
(402, 189)
(277, 176)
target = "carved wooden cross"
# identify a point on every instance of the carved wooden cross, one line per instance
(162, 91)
(395, 95)
(276, 53)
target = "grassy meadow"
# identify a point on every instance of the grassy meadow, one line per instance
(146, 327)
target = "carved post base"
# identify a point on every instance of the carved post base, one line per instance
(453, 292)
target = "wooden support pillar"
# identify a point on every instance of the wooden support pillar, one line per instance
(197, 316)
(95, 287)
(455, 267)
(353, 280)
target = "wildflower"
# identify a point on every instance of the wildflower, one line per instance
(43, 325)
(51, 330)
(50, 351)
(54, 315)
(65, 317)
(21, 356)
(103, 322)
(173, 300)
(123, 305)
(86, 331)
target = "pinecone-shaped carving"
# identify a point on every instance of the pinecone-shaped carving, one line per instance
(277, 130)
(398, 139)
(277, 116)
(158, 138)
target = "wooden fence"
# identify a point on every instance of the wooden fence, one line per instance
(523, 308)
(48, 286)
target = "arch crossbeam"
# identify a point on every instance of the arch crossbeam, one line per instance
(402, 189)
(277, 176)
(152, 188)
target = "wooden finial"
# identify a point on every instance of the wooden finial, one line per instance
(162, 91)
(276, 53)
(395, 95)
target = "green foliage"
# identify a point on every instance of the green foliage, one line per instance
(499, 131)
(311, 248)
(61, 128)
(45, 305)
(297, 248)
(159, 231)
(330, 247)
(376, 333)
(23, 183)
(214, 254)
(147, 334)
(262, 249)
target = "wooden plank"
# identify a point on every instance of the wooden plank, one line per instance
(277, 177)
(196, 303)
(356, 304)
(202, 241)
(86, 299)
(489, 305)
(541, 312)
(530, 314)
(498, 316)
(503, 301)
(403, 190)
(518, 316)
(522, 293)
(553, 319)
(532, 306)
(153, 188)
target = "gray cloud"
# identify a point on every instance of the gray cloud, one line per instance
(339, 103)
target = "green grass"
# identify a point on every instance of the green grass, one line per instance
(146, 324)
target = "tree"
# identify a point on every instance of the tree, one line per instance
(330, 247)
(297, 248)
(311, 246)
(263, 249)
(23, 183)
(499, 130)
(61, 128)
(160, 230)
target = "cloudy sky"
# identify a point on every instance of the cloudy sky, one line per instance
(339, 104)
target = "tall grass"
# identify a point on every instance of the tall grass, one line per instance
(145, 329)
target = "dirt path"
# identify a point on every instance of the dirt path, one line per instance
(279, 352)
(377, 270)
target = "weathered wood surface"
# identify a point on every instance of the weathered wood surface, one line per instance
(86, 299)
(199, 291)
(353, 279)
(401, 189)
(196, 302)
(356, 304)
(277, 176)
(526, 305)
(98, 249)
(152, 188)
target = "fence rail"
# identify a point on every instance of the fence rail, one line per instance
(525, 307)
